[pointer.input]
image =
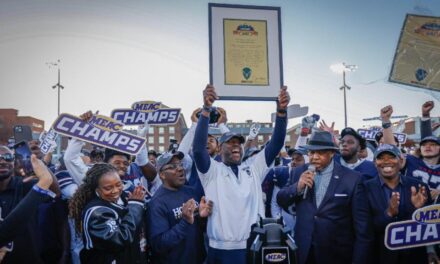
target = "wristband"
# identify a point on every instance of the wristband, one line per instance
(281, 111)
(386, 125)
(43, 191)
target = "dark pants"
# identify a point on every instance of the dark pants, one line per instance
(222, 256)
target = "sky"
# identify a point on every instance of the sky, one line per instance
(114, 53)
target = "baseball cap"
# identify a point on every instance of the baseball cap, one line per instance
(387, 148)
(300, 150)
(430, 138)
(166, 157)
(352, 132)
(230, 135)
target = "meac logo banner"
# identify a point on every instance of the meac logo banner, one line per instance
(101, 130)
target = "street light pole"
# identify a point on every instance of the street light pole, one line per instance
(345, 87)
(342, 68)
(59, 87)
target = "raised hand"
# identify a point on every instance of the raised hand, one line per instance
(393, 204)
(188, 209)
(323, 126)
(283, 99)
(194, 117)
(209, 96)
(137, 194)
(86, 116)
(223, 118)
(142, 130)
(426, 108)
(418, 198)
(205, 208)
(42, 173)
(385, 113)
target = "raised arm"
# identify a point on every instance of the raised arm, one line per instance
(385, 115)
(425, 124)
(279, 133)
(201, 156)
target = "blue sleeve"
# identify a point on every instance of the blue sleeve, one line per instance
(201, 155)
(277, 141)
(288, 195)
(16, 221)
(163, 237)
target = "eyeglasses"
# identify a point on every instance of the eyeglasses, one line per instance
(172, 166)
(8, 157)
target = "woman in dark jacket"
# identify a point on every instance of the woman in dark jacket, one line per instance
(109, 223)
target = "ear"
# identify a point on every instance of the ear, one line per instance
(98, 192)
(162, 176)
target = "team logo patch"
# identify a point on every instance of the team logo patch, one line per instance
(112, 225)
(421, 74)
(247, 72)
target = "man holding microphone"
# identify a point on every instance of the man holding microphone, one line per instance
(332, 214)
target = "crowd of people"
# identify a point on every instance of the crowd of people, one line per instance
(197, 202)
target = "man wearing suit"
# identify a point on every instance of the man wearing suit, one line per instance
(393, 197)
(332, 214)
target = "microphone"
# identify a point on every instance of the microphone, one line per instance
(306, 190)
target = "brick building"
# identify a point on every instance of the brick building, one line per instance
(9, 118)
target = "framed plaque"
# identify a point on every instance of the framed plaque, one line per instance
(245, 51)
(416, 61)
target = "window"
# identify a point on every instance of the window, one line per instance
(172, 137)
(161, 140)
(237, 125)
(150, 130)
(260, 138)
(161, 129)
(171, 130)
(151, 140)
(267, 125)
(161, 148)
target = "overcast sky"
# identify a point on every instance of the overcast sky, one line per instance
(114, 53)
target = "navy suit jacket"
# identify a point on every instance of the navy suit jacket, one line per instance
(378, 205)
(339, 229)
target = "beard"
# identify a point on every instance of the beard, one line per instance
(6, 171)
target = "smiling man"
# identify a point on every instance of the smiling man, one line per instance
(393, 197)
(234, 186)
(174, 227)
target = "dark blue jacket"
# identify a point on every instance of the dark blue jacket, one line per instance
(378, 205)
(338, 230)
(172, 239)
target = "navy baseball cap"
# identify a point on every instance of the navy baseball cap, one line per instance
(298, 150)
(430, 138)
(393, 150)
(166, 157)
(351, 131)
(230, 135)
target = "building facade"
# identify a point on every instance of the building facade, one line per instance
(9, 119)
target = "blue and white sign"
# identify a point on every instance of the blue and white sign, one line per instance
(100, 132)
(408, 234)
(163, 116)
(369, 134)
(48, 141)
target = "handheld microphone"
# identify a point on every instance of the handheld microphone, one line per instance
(306, 190)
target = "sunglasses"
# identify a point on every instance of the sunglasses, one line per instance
(172, 166)
(8, 157)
